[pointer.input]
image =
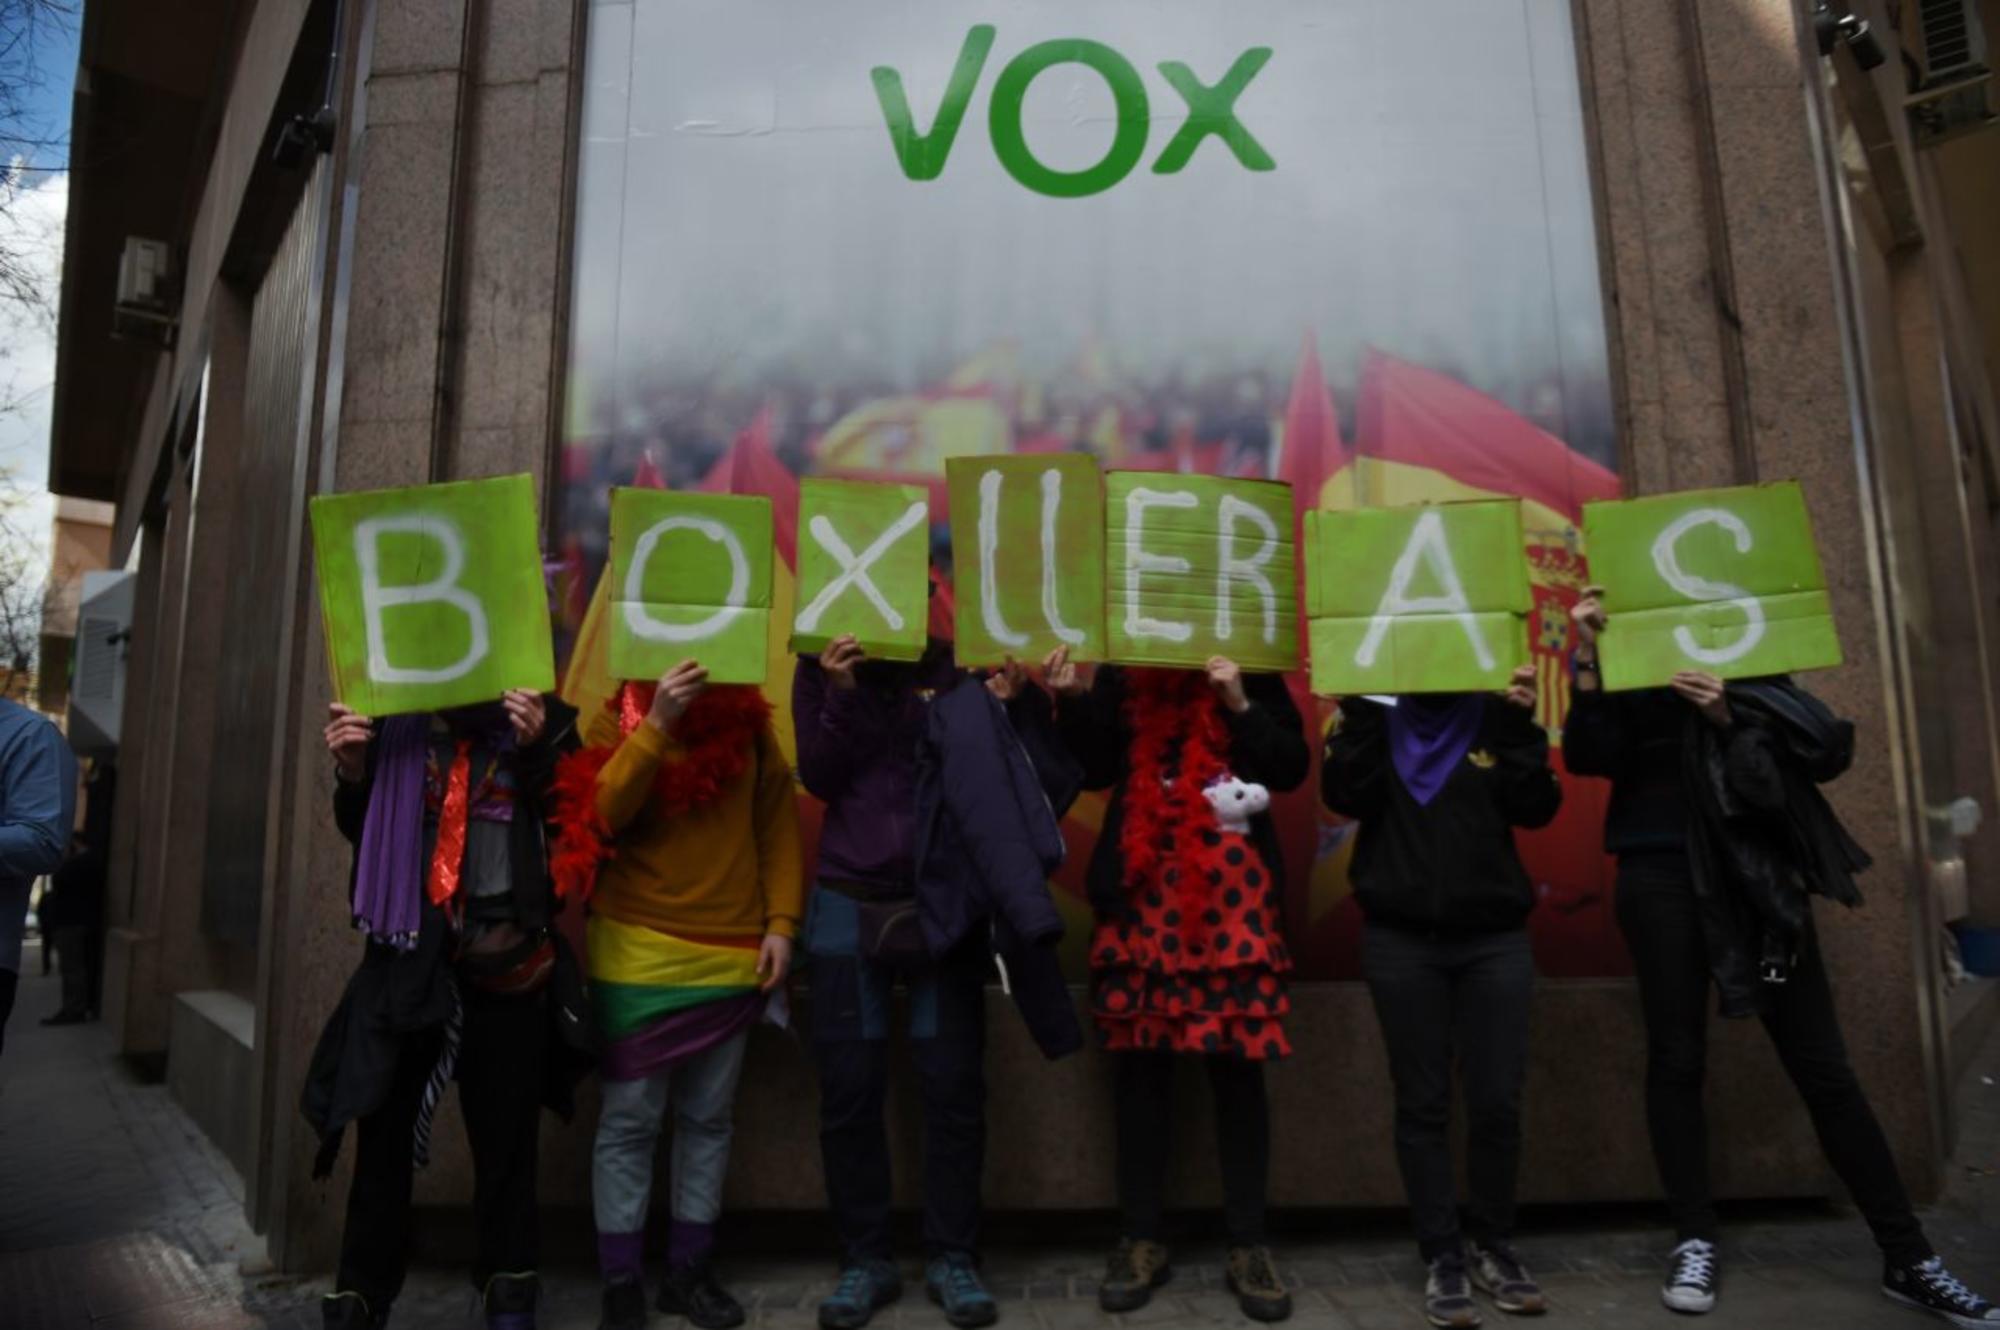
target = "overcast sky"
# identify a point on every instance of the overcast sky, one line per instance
(33, 227)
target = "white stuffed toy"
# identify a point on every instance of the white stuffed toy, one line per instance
(1236, 802)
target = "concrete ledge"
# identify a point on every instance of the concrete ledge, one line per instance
(212, 1069)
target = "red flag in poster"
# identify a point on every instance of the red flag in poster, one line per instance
(1313, 451)
(1419, 417)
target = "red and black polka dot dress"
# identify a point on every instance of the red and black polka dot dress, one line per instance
(1199, 966)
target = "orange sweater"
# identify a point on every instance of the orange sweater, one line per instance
(730, 869)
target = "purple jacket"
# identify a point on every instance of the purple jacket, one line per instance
(858, 755)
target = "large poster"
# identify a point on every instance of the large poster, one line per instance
(1347, 244)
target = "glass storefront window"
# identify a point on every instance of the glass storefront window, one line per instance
(1350, 246)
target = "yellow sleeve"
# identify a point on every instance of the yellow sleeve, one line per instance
(626, 781)
(781, 862)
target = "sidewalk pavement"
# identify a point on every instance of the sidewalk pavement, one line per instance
(116, 1214)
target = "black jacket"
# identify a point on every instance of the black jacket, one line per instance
(1759, 837)
(1634, 739)
(988, 836)
(1267, 747)
(394, 993)
(1449, 866)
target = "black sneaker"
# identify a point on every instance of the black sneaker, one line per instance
(1929, 1287)
(1448, 1294)
(349, 1311)
(624, 1306)
(1135, 1269)
(1694, 1274)
(1253, 1278)
(1499, 1274)
(695, 1292)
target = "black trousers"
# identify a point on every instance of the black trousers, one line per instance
(852, 1003)
(502, 1060)
(1658, 915)
(80, 950)
(1443, 1001)
(9, 982)
(1144, 1091)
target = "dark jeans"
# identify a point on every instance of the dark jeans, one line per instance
(852, 999)
(1658, 915)
(1462, 1000)
(501, 1068)
(1145, 1105)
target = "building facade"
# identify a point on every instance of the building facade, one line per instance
(1583, 249)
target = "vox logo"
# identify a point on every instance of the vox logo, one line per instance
(1211, 111)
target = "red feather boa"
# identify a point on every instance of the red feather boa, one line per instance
(1180, 746)
(718, 733)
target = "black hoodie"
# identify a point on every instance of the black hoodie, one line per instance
(1448, 866)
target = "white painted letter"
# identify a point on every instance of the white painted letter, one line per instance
(443, 588)
(1427, 545)
(989, 540)
(1229, 568)
(1138, 562)
(1696, 588)
(854, 568)
(1051, 502)
(641, 621)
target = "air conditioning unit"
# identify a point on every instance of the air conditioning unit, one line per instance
(1951, 77)
(97, 680)
(148, 291)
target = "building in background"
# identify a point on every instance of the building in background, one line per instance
(79, 544)
(1564, 250)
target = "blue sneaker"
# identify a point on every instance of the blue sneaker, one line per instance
(953, 1283)
(864, 1289)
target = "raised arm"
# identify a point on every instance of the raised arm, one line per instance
(827, 719)
(1267, 738)
(1354, 778)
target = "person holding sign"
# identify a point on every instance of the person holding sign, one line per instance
(1188, 959)
(859, 724)
(680, 825)
(1439, 782)
(451, 887)
(1722, 838)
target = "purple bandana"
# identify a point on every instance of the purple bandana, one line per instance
(1429, 736)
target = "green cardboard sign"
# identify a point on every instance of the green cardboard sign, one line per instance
(690, 579)
(432, 596)
(1421, 599)
(1727, 581)
(864, 567)
(1199, 566)
(1027, 538)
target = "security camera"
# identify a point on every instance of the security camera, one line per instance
(1831, 29)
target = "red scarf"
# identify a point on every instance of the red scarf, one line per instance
(1178, 732)
(718, 735)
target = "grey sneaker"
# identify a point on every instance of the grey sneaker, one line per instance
(1499, 1274)
(1448, 1294)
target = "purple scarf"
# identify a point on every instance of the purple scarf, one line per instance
(1429, 736)
(389, 876)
